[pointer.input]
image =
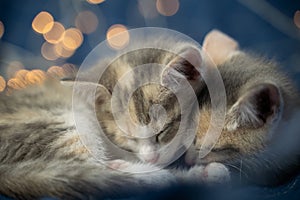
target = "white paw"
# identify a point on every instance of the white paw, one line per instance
(118, 164)
(216, 173)
(213, 173)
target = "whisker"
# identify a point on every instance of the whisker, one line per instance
(237, 168)
(241, 166)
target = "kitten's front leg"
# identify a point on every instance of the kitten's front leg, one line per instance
(213, 173)
(145, 172)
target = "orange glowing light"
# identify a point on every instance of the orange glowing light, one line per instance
(2, 84)
(35, 77)
(55, 35)
(48, 51)
(56, 72)
(62, 51)
(1, 29)
(43, 22)
(117, 36)
(86, 21)
(21, 74)
(297, 18)
(95, 1)
(73, 38)
(167, 7)
(13, 67)
(16, 84)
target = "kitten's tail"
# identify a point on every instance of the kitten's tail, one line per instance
(74, 180)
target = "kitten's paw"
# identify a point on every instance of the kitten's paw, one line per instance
(118, 164)
(216, 173)
(213, 173)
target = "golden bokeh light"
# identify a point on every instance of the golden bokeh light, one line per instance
(86, 22)
(21, 74)
(297, 18)
(1, 29)
(117, 36)
(35, 77)
(95, 1)
(56, 34)
(61, 51)
(2, 84)
(72, 39)
(43, 22)
(48, 51)
(16, 84)
(56, 72)
(167, 7)
(12, 68)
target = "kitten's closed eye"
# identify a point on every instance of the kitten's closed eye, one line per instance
(160, 136)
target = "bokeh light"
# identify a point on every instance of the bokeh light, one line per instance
(2, 84)
(56, 72)
(167, 7)
(61, 51)
(21, 74)
(95, 1)
(12, 68)
(69, 69)
(35, 77)
(72, 39)
(15, 84)
(117, 36)
(297, 18)
(43, 22)
(48, 51)
(56, 34)
(1, 29)
(86, 22)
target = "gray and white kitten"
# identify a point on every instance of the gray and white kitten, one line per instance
(260, 138)
(41, 154)
(153, 106)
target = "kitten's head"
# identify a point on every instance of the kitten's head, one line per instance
(249, 124)
(154, 112)
(254, 106)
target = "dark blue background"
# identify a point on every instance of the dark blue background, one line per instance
(194, 18)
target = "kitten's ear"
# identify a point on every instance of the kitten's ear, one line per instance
(219, 46)
(259, 106)
(185, 66)
(91, 93)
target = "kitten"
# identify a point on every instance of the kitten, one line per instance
(152, 106)
(262, 104)
(41, 154)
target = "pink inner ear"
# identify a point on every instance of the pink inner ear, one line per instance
(193, 56)
(219, 46)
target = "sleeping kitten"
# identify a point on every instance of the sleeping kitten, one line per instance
(41, 154)
(152, 106)
(262, 106)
